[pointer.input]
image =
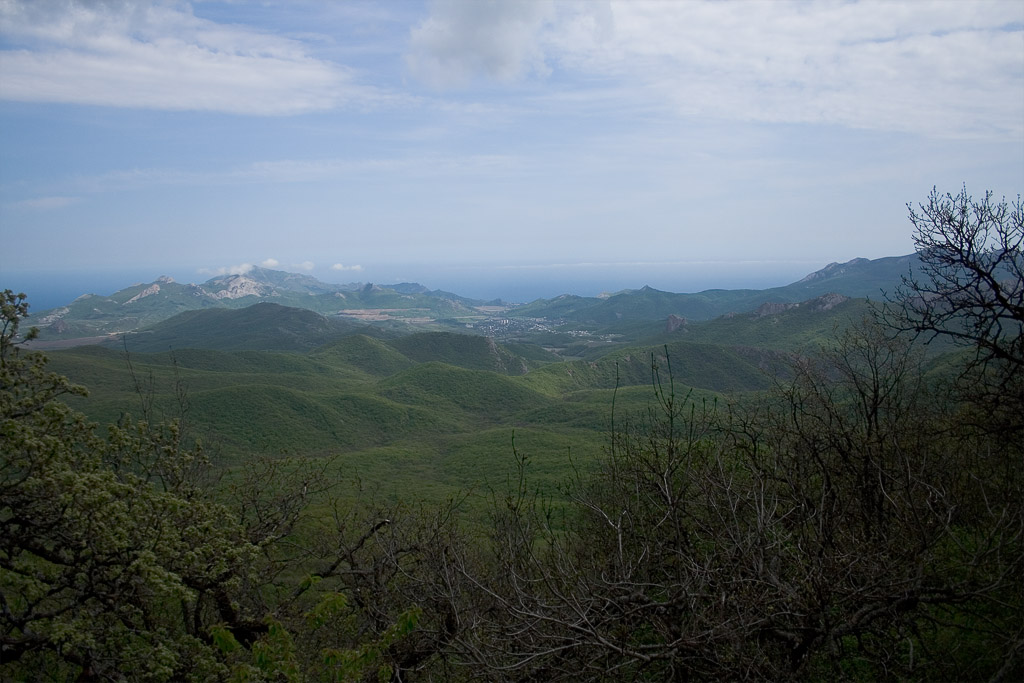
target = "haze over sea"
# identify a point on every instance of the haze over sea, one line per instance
(510, 283)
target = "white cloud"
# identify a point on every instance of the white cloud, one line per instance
(916, 67)
(936, 68)
(462, 40)
(240, 269)
(159, 55)
(342, 267)
(305, 265)
(270, 263)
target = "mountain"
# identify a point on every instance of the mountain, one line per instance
(262, 326)
(273, 327)
(782, 326)
(143, 305)
(265, 282)
(858, 278)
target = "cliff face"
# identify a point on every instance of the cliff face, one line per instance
(148, 291)
(237, 286)
(675, 322)
(825, 302)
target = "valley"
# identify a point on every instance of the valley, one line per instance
(416, 400)
(443, 474)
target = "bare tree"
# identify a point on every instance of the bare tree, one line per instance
(835, 528)
(969, 288)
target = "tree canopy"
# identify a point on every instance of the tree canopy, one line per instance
(862, 520)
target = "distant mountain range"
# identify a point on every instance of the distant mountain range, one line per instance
(141, 306)
(859, 278)
(267, 378)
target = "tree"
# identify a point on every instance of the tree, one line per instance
(836, 528)
(969, 289)
(106, 568)
(119, 562)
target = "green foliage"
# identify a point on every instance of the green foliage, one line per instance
(468, 351)
(703, 366)
(262, 326)
(354, 664)
(802, 328)
(848, 525)
(116, 561)
(101, 536)
(857, 278)
(369, 355)
(787, 494)
(490, 395)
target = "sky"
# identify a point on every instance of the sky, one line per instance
(495, 147)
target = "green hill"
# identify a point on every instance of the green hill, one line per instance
(486, 394)
(783, 326)
(432, 408)
(859, 278)
(463, 350)
(704, 366)
(263, 326)
(564, 306)
(270, 419)
(368, 354)
(144, 305)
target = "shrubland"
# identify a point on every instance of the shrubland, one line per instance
(859, 516)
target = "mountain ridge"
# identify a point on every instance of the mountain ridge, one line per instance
(145, 304)
(857, 278)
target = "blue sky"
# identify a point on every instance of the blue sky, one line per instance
(678, 144)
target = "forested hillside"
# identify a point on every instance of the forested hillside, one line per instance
(807, 490)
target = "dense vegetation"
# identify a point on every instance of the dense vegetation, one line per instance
(849, 512)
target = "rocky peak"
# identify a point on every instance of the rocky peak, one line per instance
(675, 322)
(825, 302)
(834, 269)
(237, 286)
(772, 308)
(148, 291)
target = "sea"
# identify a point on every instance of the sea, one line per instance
(521, 283)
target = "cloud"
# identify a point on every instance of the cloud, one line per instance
(339, 266)
(920, 67)
(240, 269)
(463, 40)
(159, 55)
(270, 263)
(305, 265)
(893, 66)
